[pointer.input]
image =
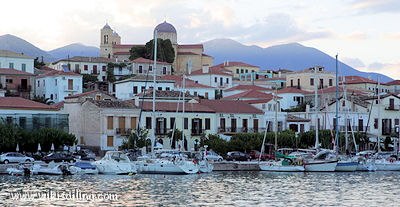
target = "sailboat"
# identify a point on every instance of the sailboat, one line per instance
(171, 162)
(322, 161)
(287, 163)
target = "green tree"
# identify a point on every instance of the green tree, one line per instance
(137, 139)
(165, 51)
(37, 63)
(110, 72)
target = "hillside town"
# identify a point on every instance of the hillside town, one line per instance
(103, 100)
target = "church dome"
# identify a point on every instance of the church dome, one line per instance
(165, 27)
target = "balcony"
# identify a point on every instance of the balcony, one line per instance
(239, 130)
(24, 88)
(392, 108)
(74, 88)
(197, 131)
(123, 131)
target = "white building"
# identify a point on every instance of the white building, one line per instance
(18, 61)
(142, 66)
(291, 97)
(96, 66)
(243, 88)
(56, 85)
(129, 88)
(191, 87)
(214, 77)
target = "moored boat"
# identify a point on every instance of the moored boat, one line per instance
(115, 162)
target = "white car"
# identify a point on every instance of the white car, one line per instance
(213, 156)
(14, 157)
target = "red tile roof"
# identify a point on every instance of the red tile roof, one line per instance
(254, 94)
(235, 64)
(23, 104)
(87, 59)
(357, 80)
(188, 83)
(258, 101)
(10, 71)
(171, 107)
(57, 73)
(187, 53)
(248, 87)
(230, 106)
(191, 46)
(148, 61)
(395, 82)
(292, 90)
(214, 71)
(206, 55)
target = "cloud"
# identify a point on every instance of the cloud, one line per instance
(353, 62)
(375, 6)
(377, 66)
(356, 36)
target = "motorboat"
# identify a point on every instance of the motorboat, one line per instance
(323, 161)
(286, 164)
(83, 168)
(205, 166)
(346, 164)
(167, 162)
(51, 169)
(281, 166)
(115, 162)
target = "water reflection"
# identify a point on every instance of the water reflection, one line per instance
(218, 188)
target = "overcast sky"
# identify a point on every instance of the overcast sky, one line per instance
(365, 33)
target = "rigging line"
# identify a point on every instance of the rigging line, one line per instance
(141, 104)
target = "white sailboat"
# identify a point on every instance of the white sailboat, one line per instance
(176, 164)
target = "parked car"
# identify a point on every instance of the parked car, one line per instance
(213, 156)
(85, 154)
(255, 154)
(237, 156)
(14, 157)
(58, 157)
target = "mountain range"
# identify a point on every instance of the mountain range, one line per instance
(293, 56)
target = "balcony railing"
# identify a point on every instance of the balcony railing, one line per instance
(197, 131)
(392, 108)
(24, 88)
(123, 131)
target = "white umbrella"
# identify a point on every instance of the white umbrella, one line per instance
(52, 147)
(17, 148)
(39, 148)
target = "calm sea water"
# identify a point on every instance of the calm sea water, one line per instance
(215, 189)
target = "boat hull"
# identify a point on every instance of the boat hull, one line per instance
(281, 168)
(344, 166)
(387, 166)
(167, 167)
(320, 166)
(115, 169)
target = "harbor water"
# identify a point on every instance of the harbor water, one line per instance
(214, 189)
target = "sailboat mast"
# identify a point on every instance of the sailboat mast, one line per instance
(183, 110)
(337, 109)
(316, 108)
(379, 115)
(276, 118)
(153, 138)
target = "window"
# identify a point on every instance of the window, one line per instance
(44, 83)
(55, 82)
(94, 71)
(330, 82)
(133, 122)
(375, 123)
(9, 80)
(159, 88)
(135, 90)
(215, 79)
(241, 71)
(76, 67)
(121, 123)
(110, 122)
(38, 83)
(291, 83)
(221, 81)
(396, 122)
(103, 78)
(247, 71)
(110, 141)
(321, 83)
(237, 70)
(70, 84)
(164, 70)
(195, 93)
(85, 67)
(9, 120)
(227, 80)
(140, 69)
(148, 122)
(55, 96)
(11, 65)
(22, 122)
(103, 68)
(23, 67)
(167, 88)
(207, 124)
(172, 123)
(51, 96)
(150, 68)
(185, 123)
(206, 95)
(344, 103)
(263, 106)
(142, 89)
(311, 81)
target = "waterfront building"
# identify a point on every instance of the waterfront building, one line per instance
(243, 88)
(192, 88)
(365, 84)
(31, 115)
(213, 77)
(143, 66)
(394, 86)
(239, 69)
(187, 56)
(291, 97)
(17, 61)
(306, 79)
(16, 82)
(56, 85)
